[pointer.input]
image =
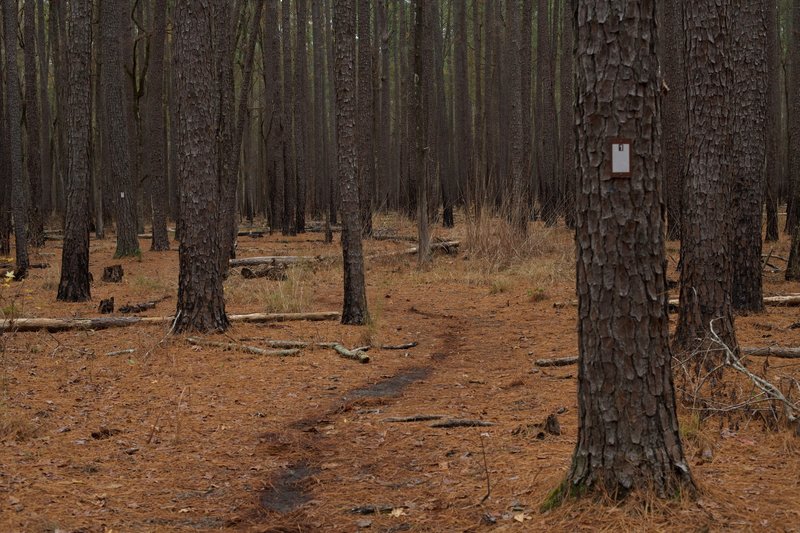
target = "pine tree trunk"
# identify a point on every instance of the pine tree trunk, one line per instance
(545, 116)
(301, 114)
(74, 284)
(116, 131)
(321, 176)
(567, 115)
(155, 160)
(273, 125)
(675, 113)
(515, 204)
(384, 121)
(749, 58)
(5, 181)
(366, 174)
(19, 194)
(44, 73)
(289, 161)
(32, 126)
(628, 438)
(355, 295)
(201, 306)
(463, 109)
(793, 102)
(706, 227)
(774, 137)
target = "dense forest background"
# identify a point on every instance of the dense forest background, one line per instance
(498, 124)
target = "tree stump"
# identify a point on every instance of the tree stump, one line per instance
(113, 274)
(107, 306)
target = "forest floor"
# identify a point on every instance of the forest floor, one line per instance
(174, 437)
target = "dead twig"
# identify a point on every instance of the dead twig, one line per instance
(414, 418)
(461, 423)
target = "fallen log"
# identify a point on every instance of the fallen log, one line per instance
(137, 308)
(355, 355)
(561, 361)
(448, 247)
(773, 351)
(66, 324)
(460, 423)
(121, 352)
(405, 346)
(196, 341)
(414, 418)
(273, 260)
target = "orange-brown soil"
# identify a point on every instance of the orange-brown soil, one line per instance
(174, 437)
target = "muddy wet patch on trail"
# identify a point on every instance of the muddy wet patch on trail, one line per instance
(289, 491)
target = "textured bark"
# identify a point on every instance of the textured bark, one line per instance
(546, 116)
(384, 120)
(364, 137)
(515, 204)
(706, 227)
(420, 108)
(628, 437)
(355, 294)
(675, 121)
(19, 194)
(749, 58)
(32, 126)
(273, 123)
(116, 130)
(321, 176)
(793, 102)
(476, 188)
(201, 306)
(44, 73)
(774, 137)
(74, 284)
(301, 113)
(527, 70)
(290, 175)
(462, 116)
(440, 127)
(235, 125)
(155, 167)
(58, 38)
(5, 177)
(567, 115)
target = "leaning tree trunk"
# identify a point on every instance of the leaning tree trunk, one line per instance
(706, 228)
(32, 124)
(749, 57)
(628, 438)
(355, 294)
(116, 134)
(74, 285)
(19, 195)
(201, 305)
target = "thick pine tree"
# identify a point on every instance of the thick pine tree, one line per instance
(628, 437)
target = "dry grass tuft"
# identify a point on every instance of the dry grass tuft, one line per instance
(293, 295)
(496, 245)
(16, 428)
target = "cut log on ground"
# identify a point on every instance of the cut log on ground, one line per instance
(272, 272)
(405, 346)
(196, 341)
(273, 260)
(773, 351)
(561, 361)
(447, 247)
(355, 355)
(414, 418)
(67, 324)
(461, 423)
